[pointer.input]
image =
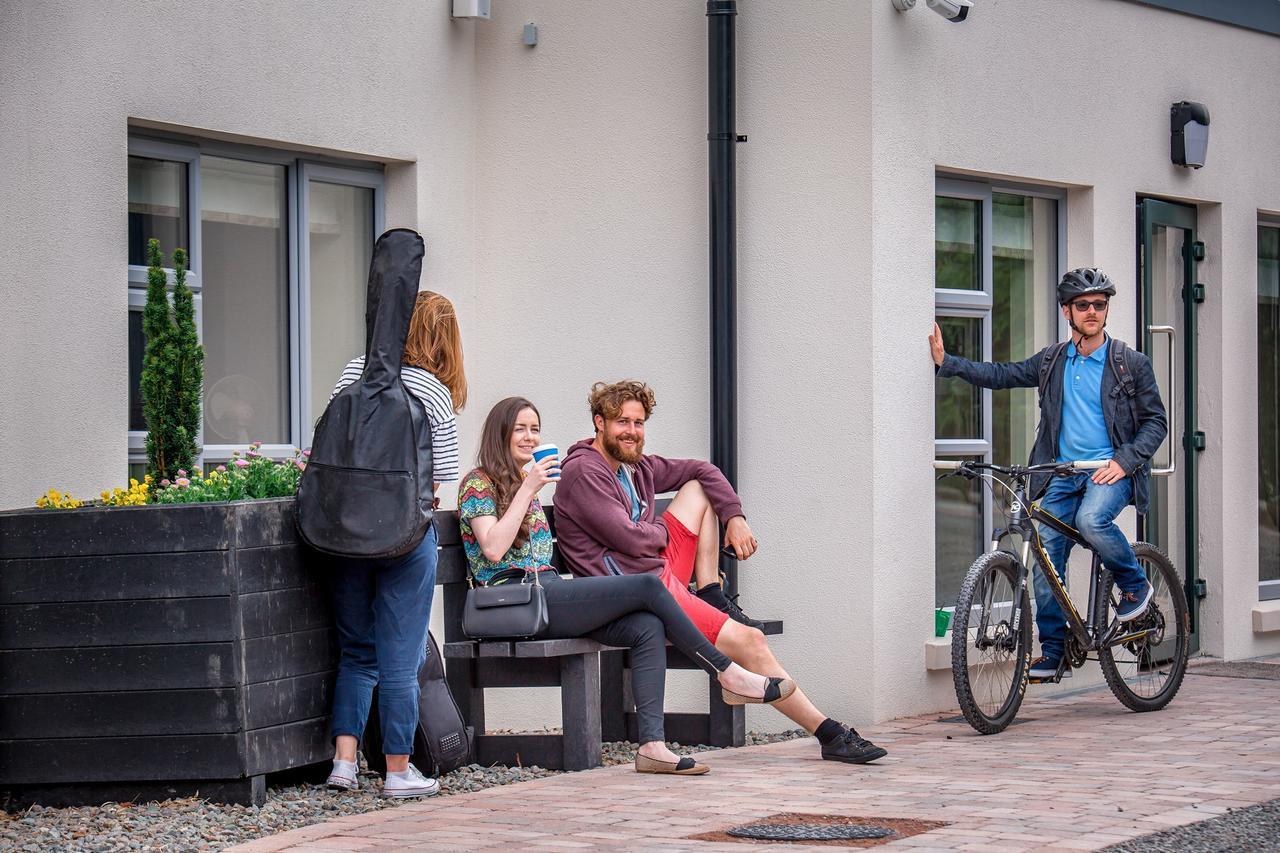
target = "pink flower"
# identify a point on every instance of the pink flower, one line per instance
(183, 481)
(253, 454)
(182, 473)
(307, 452)
(255, 445)
(164, 482)
(242, 463)
(222, 468)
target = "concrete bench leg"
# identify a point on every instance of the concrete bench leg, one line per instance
(613, 708)
(727, 724)
(580, 710)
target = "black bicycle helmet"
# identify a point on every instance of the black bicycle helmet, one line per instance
(1078, 282)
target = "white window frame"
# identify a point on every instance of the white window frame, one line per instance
(979, 304)
(298, 171)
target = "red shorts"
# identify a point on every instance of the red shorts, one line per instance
(682, 548)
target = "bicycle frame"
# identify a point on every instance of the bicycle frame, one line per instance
(1091, 633)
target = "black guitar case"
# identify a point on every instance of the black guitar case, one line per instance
(366, 490)
(442, 741)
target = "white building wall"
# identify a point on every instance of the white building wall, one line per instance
(390, 84)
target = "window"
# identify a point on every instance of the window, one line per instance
(279, 254)
(1268, 417)
(996, 266)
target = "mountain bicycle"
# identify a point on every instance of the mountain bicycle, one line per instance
(1143, 660)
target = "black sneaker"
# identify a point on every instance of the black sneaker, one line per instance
(852, 748)
(713, 594)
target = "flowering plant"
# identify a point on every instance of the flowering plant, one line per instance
(54, 499)
(247, 476)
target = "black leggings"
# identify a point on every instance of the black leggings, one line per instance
(635, 611)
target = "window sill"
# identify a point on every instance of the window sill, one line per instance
(1266, 617)
(937, 653)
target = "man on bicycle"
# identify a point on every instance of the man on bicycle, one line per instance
(1098, 401)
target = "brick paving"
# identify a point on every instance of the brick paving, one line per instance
(1080, 774)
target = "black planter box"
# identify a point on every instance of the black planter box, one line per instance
(158, 651)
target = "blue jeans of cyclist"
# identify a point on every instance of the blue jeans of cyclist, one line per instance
(381, 609)
(1092, 510)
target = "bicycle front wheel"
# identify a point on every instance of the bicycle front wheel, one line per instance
(1145, 671)
(991, 642)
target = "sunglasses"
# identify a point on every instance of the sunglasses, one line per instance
(1083, 305)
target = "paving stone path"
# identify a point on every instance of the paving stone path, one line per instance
(1083, 773)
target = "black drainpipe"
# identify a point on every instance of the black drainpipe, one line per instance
(721, 140)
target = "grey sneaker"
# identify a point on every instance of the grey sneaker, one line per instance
(343, 776)
(410, 783)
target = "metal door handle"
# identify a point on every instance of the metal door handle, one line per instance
(1172, 407)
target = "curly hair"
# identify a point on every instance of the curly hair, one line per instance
(606, 399)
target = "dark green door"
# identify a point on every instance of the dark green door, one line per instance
(1169, 296)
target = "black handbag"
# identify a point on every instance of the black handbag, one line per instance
(506, 612)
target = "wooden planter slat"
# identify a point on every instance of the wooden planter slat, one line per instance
(163, 667)
(132, 712)
(189, 645)
(114, 578)
(115, 623)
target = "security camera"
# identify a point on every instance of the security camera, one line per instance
(952, 10)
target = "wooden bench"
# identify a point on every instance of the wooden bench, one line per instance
(592, 678)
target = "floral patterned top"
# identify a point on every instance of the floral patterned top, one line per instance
(476, 498)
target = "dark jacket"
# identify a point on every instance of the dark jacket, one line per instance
(1136, 424)
(593, 514)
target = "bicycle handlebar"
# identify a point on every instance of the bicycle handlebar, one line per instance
(956, 465)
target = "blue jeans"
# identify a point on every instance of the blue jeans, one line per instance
(1092, 510)
(381, 608)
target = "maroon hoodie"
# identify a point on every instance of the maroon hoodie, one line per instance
(593, 514)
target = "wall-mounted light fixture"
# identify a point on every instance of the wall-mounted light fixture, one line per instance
(953, 10)
(1189, 134)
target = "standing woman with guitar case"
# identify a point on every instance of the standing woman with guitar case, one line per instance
(386, 440)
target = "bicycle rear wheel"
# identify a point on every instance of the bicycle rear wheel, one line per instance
(1145, 673)
(991, 642)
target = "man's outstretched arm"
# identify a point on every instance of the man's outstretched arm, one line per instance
(985, 374)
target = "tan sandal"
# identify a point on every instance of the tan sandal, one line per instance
(775, 691)
(684, 767)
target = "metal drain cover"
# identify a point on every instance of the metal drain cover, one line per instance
(808, 832)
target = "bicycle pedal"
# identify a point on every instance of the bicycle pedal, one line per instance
(1053, 679)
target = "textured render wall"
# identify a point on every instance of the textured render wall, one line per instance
(390, 84)
(1068, 94)
(591, 263)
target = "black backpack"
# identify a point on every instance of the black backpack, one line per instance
(441, 741)
(366, 491)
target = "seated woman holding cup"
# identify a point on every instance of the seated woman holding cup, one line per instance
(506, 536)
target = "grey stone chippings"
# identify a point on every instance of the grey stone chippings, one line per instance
(196, 825)
(1253, 828)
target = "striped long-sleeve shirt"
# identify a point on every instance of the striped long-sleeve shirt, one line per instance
(438, 402)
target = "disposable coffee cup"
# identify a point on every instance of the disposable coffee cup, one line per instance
(542, 451)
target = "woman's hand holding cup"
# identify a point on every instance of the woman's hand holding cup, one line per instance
(546, 466)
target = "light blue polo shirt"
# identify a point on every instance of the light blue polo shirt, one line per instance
(1083, 436)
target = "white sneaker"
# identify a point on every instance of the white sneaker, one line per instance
(410, 783)
(344, 776)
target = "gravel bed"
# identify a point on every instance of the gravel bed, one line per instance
(1254, 828)
(194, 824)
